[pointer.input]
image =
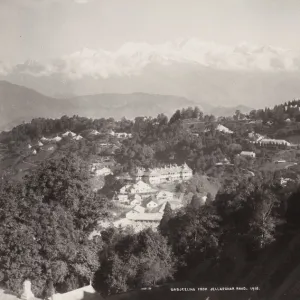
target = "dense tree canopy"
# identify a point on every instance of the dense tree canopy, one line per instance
(45, 225)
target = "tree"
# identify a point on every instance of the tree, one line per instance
(168, 213)
(196, 202)
(250, 206)
(135, 261)
(175, 117)
(209, 198)
(45, 225)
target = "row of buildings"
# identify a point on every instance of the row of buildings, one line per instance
(155, 176)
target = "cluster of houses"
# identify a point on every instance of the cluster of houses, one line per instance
(146, 201)
(74, 136)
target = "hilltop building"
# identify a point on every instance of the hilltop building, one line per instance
(49, 140)
(273, 142)
(224, 161)
(78, 138)
(99, 170)
(69, 133)
(120, 135)
(224, 129)
(94, 132)
(248, 154)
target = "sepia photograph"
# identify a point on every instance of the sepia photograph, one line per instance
(149, 149)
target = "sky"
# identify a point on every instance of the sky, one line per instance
(42, 29)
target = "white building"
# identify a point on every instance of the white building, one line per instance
(102, 172)
(94, 132)
(248, 154)
(43, 139)
(273, 142)
(120, 135)
(40, 144)
(141, 188)
(280, 161)
(224, 161)
(34, 152)
(284, 181)
(164, 196)
(69, 133)
(168, 174)
(224, 129)
(29, 146)
(78, 138)
(135, 200)
(152, 204)
(138, 209)
(57, 139)
(144, 217)
(123, 198)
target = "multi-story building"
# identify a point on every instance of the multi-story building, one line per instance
(248, 154)
(165, 174)
(269, 142)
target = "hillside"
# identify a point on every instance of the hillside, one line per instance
(128, 105)
(19, 104)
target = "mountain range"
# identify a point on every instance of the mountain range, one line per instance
(199, 71)
(19, 104)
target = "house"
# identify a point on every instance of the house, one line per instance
(135, 200)
(126, 177)
(224, 129)
(34, 152)
(144, 217)
(29, 146)
(281, 161)
(266, 141)
(120, 135)
(164, 196)
(40, 144)
(94, 132)
(69, 133)
(224, 161)
(248, 154)
(284, 181)
(78, 138)
(49, 148)
(104, 172)
(123, 198)
(140, 188)
(138, 209)
(57, 139)
(43, 139)
(151, 204)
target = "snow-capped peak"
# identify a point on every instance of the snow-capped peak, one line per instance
(131, 59)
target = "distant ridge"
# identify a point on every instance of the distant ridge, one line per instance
(19, 104)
